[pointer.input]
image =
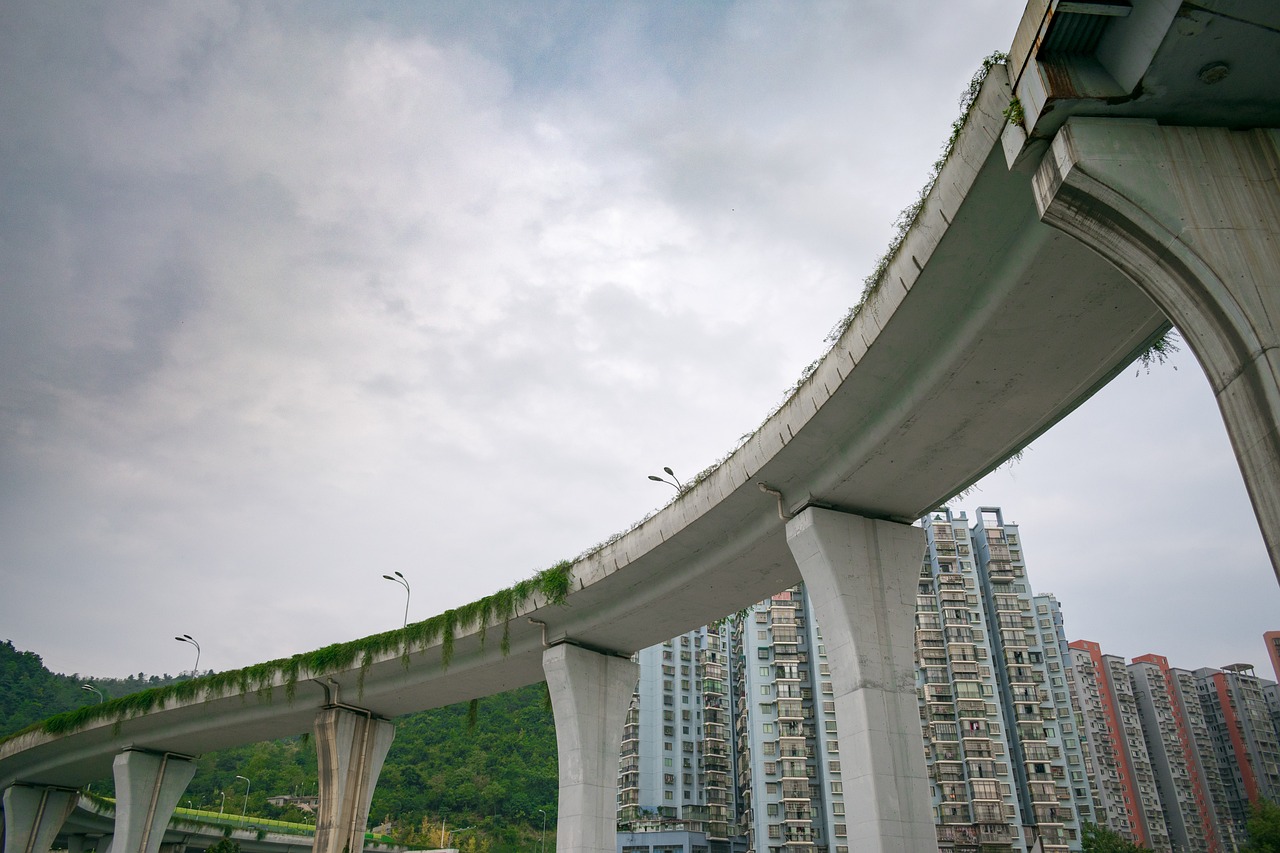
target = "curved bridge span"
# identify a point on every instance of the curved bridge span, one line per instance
(1050, 253)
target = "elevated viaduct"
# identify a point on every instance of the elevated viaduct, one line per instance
(1118, 175)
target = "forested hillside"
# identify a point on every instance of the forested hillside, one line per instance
(493, 776)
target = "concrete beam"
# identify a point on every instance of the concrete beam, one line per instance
(148, 788)
(350, 748)
(862, 576)
(1192, 216)
(34, 815)
(589, 697)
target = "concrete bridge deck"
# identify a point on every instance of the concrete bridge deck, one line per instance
(1025, 283)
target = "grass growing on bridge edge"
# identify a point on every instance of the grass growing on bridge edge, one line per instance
(553, 584)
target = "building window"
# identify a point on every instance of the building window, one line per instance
(837, 787)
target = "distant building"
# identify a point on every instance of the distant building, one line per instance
(675, 766)
(1128, 801)
(1272, 640)
(1244, 737)
(790, 790)
(994, 703)
(1176, 736)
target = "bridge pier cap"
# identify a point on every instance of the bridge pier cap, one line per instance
(862, 576)
(33, 816)
(590, 693)
(148, 788)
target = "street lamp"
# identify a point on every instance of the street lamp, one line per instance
(247, 786)
(222, 804)
(186, 638)
(677, 485)
(544, 824)
(92, 689)
(399, 578)
(454, 834)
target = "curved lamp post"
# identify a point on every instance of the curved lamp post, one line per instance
(247, 786)
(186, 638)
(92, 689)
(544, 812)
(674, 482)
(399, 578)
(454, 834)
(222, 804)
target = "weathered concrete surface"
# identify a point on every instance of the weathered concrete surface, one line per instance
(589, 697)
(862, 576)
(350, 749)
(33, 816)
(148, 788)
(1192, 216)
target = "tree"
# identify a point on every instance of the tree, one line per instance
(1100, 839)
(1264, 828)
(226, 845)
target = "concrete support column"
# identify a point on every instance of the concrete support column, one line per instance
(33, 816)
(862, 577)
(1192, 216)
(148, 788)
(589, 697)
(350, 748)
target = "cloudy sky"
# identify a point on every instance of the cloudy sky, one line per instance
(294, 295)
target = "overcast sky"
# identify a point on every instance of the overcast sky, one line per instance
(293, 295)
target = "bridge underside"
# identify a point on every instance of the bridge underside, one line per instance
(988, 327)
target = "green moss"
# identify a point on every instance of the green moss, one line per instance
(261, 679)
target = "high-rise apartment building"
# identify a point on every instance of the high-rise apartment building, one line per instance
(991, 722)
(1244, 738)
(1128, 801)
(731, 743)
(676, 757)
(788, 759)
(1057, 653)
(1171, 728)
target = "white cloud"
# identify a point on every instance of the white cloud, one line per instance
(298, 298)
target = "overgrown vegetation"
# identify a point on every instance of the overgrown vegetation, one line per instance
(552, 584)
(1014, 113)
(1160, 351)
(902, 225)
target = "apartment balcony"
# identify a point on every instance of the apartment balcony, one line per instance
(995, 833)
(988, 813)
(795, 790)
(798, 835)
